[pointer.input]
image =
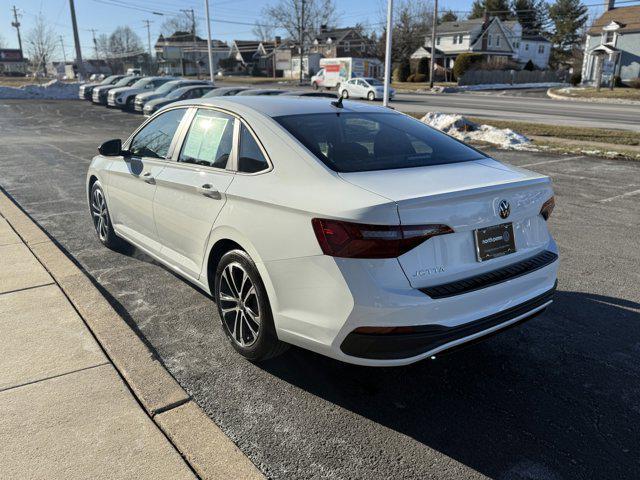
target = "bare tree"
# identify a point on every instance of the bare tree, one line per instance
(411, 26)
(287, 14)
(41, 42)
(123, 43)
(179, 23)
(263, 32)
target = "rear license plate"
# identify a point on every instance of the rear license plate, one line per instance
(493, 242)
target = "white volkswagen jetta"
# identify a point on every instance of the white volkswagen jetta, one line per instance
(350, 230)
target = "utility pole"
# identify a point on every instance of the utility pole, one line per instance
(434, 25)
(95, 42)
(64, 53)
(147, 24)
(387, 54)
(210, 52)
(76, 40)
(191, 13)
(16, 24)
(301, 38)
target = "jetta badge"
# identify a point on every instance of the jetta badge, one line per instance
(504, 209)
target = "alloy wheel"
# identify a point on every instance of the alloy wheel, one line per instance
(239, 305)
(100, 214)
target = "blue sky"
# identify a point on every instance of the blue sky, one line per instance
(103, 16)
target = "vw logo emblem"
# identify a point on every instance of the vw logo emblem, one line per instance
(504, 209)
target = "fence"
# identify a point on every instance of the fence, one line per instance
(482, 77)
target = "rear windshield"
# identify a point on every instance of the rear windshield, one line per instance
(360, 142)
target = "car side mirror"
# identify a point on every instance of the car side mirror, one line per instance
(111, 148)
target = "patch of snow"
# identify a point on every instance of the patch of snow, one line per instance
(497, 86)
(53, 90)
(464, 129)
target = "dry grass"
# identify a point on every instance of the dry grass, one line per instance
(618, 137)
(420, 85)
(621, 93)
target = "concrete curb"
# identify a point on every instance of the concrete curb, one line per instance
(200, 441)
(605, 101)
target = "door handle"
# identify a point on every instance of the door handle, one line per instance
(208, 191)
(146, 176)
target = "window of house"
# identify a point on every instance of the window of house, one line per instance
(608, 37)
(540, 49)
(498, 41)
(516, 44)
(490, 42)
(526, 46)
(362, 47)
(347, 46)
(209, 140)
(455, 39)
(459, 38)
(437, 40)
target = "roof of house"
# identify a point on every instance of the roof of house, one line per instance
(627, 17)
(187, 37)
(336, 35)
(459, 26)
(535, 38)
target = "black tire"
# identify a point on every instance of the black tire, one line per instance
(129, 105)
(345, 94)
(256, 341)
(371, 96)
(102, 220)
(314, 85)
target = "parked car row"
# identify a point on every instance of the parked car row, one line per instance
(149, 94)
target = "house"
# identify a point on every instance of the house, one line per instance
(342, 42)
(69, 69)
(496, 40)
(186, 54)
(246, 53)
(12, 63)
(613, 43)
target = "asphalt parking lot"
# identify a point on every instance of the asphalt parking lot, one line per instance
(558, 398)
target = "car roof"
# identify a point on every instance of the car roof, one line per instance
(279, 105)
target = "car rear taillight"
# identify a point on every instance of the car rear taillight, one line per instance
(547, 208)
(357, 240)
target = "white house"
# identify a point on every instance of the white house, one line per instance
(185, 54)
(614, 39)
(489, 36)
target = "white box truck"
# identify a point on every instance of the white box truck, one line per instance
(334, 71)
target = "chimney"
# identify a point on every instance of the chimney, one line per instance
(611, 4)
(486, 18)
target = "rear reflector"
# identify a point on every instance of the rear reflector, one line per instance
(356, 240)
(547, 208)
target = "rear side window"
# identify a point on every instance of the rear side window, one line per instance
(209, 140)
(250, 159)
(360, 142)
(155, 138)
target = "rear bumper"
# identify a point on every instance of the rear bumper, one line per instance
(429, 338)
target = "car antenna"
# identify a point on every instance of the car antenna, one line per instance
(338, 103)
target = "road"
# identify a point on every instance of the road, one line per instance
(558, 398)
(524, 109)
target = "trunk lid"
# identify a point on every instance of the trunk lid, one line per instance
(466, 197)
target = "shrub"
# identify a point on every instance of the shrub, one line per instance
(576, 79)
(402, 71)
(617, 82)
(635, 83)
(529, 66)
(418, 77)
(464, 61)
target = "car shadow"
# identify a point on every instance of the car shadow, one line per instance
(554, 398)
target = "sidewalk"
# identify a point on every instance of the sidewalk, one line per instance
(65, 411)
(81, 396)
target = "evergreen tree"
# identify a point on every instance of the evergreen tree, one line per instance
(495, 8)
(448, 16)
(532, 15)
(568, 18)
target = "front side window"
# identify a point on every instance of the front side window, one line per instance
(250, 157)
(498, 41)
(437, 40)
(359, 142)
(209, 140)
(608, 37)
(540, 48)
(155, 138)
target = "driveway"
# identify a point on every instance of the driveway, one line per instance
(557, 398)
